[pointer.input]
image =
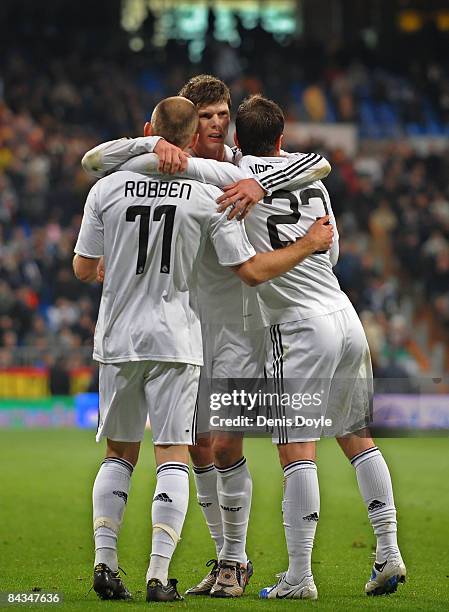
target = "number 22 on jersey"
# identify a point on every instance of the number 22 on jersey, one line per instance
(273, 221)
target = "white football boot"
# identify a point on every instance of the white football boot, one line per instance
(306, 589)
(386, 576)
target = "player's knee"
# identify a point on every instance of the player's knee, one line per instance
(355, 443)
(226, 450)
(203, 442)
(296, 451)
(129, 451)
(201, 453)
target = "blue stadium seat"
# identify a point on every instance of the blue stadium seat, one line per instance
(331, 115)
(369, 124)
(151, 83)
(433, 125)
(389, 120)
(414, 129)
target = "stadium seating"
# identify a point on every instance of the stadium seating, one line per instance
(44, 310)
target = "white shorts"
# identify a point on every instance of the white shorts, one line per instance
(230, 354)
(133, 390)
(326, 362)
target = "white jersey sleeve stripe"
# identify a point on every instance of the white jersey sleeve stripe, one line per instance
(291, 172)
(303, 161)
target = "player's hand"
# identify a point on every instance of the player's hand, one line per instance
(100, 270)
(242, 196)
(321, 234)
(172, 159)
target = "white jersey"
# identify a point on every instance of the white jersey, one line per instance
(220, 292)
(152, 234)
(311, 288)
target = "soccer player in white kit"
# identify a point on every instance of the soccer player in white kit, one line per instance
(220, 469)
(148, 339)
(315, 336)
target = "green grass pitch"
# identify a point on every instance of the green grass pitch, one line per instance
(46, 541)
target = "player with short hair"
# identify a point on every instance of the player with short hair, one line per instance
(316, 341)
(220, 469)
(212, 98)
(151, 233)
(205, 89)
(314, 334)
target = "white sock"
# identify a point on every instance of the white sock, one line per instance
(169, 509)
(234, 486)
(376, 489)
(206, 490)
(109, 497)
(301, 510)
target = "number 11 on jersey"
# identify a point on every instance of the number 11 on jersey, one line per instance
(168, 212)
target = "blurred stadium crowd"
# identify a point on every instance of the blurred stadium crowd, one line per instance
(392, 203)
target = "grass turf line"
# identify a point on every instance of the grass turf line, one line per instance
(46, 538)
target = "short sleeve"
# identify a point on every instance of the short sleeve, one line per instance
(90, 241)
(230, 240)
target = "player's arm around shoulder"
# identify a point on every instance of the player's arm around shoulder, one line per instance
(197, 169)
(213, 172)
(109, 156)
(265, 266)
(300, 169)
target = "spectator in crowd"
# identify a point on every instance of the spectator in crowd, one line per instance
(392, 205)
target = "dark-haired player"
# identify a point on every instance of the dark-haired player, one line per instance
(229, 352)
(315, 335)
(315, 338)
